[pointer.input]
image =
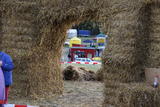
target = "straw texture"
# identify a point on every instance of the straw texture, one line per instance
(33, 33)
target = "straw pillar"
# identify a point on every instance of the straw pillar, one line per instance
(125, 56)
(36, 47)
(45, 77)
(37, 72)
(18, 29)
(154, 49)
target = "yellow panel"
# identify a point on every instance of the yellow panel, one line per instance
(75, 40)
(101, 41)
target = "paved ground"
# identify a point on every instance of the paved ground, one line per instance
(76, 94)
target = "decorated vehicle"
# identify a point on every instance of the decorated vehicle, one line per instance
(86, 61)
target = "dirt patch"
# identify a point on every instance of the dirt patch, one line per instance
(76, 94)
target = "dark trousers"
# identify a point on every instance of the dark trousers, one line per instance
(1, 105)
(6, 94)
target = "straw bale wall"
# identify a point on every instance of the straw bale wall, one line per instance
(154, 49)
(33, 33)
(125, 55)
(133, 46)
(132, 95)
(18, 36)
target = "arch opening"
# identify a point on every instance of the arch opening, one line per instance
(85, 41)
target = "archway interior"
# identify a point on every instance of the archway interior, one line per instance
(85, 41)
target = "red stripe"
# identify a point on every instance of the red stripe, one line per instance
(95, 63)
(81, 63)
(78, 62)
(86, 62)
(20, 105)
(2, 101)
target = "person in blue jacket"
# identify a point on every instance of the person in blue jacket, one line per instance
(7, 66)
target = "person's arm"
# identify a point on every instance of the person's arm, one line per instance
(7, 64)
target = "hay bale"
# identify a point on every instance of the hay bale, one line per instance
(46, 22)
(41, 25)
(132, 95)
(126, 54)
(154, 48)
(72, 73)
(17, 41)
(78, 73)
(34, 63)
(90, 76)
(100, 75)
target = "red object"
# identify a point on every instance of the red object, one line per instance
(2, 102)
(6, 94)
(82, 62)
(95, 63)
(20, 105)
(86, 51)
(77, 45)
(78, 62)
(86, 62)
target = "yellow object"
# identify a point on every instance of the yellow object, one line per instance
(74, 40)
(101, 40)
(96, 58)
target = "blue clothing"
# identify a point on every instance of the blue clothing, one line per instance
(7, 67)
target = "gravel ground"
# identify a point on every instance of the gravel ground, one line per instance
(76, 94)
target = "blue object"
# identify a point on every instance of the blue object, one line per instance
(84, 32)
(7, 67)
(88, 41)
(2, 87)
(101, 35)
(101, 44)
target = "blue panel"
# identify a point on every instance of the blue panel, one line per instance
(84, 32)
